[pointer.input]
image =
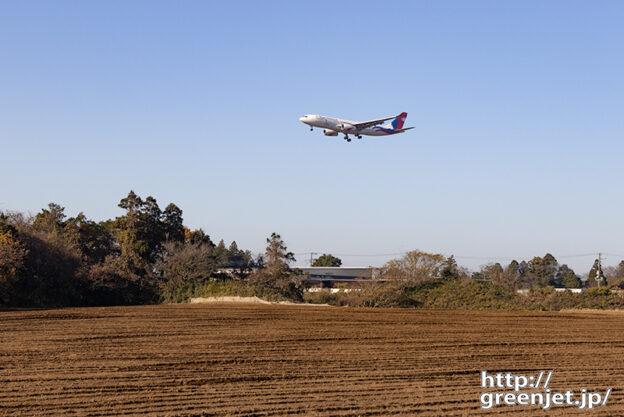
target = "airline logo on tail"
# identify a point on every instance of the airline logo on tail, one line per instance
(396, 126)
(399, 121)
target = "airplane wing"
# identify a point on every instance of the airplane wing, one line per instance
(403, 130)
(363, 125)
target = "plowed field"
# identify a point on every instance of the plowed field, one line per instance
(260, 360)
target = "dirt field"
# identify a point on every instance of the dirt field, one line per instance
(237, 359)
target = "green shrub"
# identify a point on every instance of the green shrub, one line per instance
(223, 288)
(598, 291)
(466, 294)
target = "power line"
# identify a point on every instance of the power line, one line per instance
(485, 258)
(359, 254)
(583, 255)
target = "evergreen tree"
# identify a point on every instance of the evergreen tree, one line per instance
(596, 276)
(493, 273)
(571, 280)
(197, 236)
(144, 227)
(544, 269)
(50, 220)
(12, 262)
(276, 275)
(327, 260)
(526, 277)
(511, 274)
(234, 255)
(221, 254)
(277, 256)
(94, 240)
(172, 222)
(449, 269)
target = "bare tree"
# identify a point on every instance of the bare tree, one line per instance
(414, 266)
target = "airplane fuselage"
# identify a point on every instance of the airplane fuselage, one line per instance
(332, 126)
(335, 126)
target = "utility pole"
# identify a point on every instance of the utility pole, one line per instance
(599, 261)
(599, 275)
(312, 257)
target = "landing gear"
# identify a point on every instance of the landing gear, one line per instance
(311, 128)
(347, 138)
(359, 136)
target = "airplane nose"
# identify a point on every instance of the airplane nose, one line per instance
(302, 119)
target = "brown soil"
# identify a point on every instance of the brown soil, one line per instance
(260, 360)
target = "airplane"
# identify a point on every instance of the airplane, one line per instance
(333, 126)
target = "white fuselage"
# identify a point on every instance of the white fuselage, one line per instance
(344, 126)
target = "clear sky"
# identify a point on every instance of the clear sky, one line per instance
(517, 106)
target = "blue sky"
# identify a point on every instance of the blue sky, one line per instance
(517, 108)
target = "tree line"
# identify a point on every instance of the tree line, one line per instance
(428, 280)
(148, 255)
(539, 272)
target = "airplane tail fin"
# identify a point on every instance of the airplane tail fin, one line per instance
(399, 121)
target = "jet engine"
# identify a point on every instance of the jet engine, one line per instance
(329, 132)
(347, 128)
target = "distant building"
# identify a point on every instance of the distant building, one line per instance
(572, 290)
(329, 276)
